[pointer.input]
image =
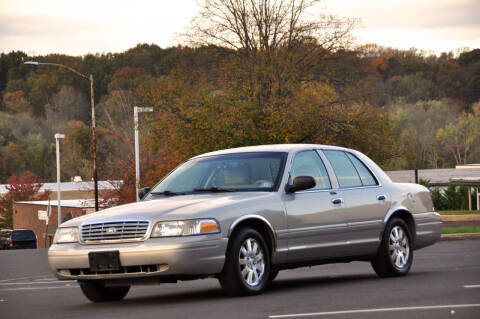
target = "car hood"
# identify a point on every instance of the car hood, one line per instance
(174, 207)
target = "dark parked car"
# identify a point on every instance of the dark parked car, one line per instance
(18, 239)
(4, 238)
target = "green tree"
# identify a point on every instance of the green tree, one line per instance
(461, 136)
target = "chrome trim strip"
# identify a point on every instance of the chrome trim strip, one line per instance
(367, 222)
(363, 241)
(427, 215)
(322, 227)
(337, 243)
(359, 187)
(335, 226)
(315, 191)
(336, 189)
(428, 224)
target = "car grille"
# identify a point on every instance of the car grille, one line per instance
(115, 231)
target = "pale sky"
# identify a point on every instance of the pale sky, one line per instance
(78, 27)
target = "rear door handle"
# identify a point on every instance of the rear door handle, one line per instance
(381, 197)
(337, 201)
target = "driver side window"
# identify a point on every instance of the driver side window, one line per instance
(309, 163)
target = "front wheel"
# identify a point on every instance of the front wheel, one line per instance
(97, 292)
(247, 264)
(395, 255)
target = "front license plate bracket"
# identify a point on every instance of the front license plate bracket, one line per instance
(104, 261)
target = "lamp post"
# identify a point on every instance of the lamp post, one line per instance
(137, 110)
(59, 207)
(92, 102)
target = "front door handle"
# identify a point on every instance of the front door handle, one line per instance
(337, 201)
(381, 197)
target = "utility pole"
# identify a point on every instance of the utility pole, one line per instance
(58, 136)
(137, 110)
(94, 144)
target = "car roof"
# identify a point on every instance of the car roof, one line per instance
(286, 148)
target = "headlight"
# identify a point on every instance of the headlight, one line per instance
(185, 228)
(66, 235)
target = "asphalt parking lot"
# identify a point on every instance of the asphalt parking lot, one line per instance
(444, 283)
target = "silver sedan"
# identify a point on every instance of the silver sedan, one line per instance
(242, 215)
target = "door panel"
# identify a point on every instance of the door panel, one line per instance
(316, 226)
(366, 202)
(364, 214)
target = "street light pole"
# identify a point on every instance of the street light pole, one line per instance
(59, 206)
(94, 144)
(92, 102)
(137, 110)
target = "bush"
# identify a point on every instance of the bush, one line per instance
(451, 198)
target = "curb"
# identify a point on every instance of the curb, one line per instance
(463, 236)
(461, 218)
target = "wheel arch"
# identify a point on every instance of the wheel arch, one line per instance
(404, 214)
(260, 224)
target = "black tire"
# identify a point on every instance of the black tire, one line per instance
(388, 263)
(97, 292)
(273, 275)
(231, 279)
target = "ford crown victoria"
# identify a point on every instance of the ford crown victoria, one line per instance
(242, 215)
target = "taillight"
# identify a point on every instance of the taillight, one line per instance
(11, 243)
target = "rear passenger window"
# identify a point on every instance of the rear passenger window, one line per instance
(346, 173)
(365, 175)
(309, 163)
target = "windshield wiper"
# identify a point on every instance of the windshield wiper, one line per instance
(214, 190)
(167, 193)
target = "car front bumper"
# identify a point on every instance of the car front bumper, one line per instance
(155, 257)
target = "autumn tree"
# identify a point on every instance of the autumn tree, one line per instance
(461, 136)
(66, 105)
(277, 43)
(20, 188)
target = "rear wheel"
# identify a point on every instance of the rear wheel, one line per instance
(97, 292)
(247, 264)
(395, 255)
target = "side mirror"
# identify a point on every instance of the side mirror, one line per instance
(300, 183)
(143, 192)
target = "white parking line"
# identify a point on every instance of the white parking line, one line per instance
(38, 288)
(373, 310)
(35, 282)
(471, 286)
(24, 278)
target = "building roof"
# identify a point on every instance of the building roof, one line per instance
(468, 181)
(75, 203)
(71, 186)
(437, 177)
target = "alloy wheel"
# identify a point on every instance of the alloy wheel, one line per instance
(398, 247)
(252, 262)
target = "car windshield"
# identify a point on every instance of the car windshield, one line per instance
(259, 171)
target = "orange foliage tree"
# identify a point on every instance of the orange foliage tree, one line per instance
(20, 188)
